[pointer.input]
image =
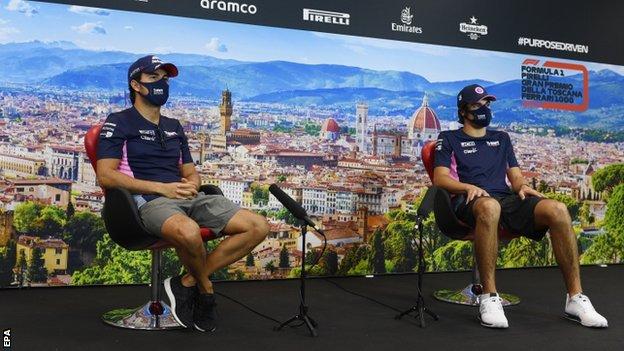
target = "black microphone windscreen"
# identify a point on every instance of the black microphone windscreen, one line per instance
(291, 205)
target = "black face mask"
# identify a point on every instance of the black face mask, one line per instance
(157, 92)
(482, 116)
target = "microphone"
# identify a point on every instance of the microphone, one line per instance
(292, 206)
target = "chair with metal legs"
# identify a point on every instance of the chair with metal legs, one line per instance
(124, 225)
(451, 226)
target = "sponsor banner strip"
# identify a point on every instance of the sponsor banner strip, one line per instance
(571, 29)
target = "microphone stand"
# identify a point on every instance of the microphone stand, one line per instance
(302, 315)
(420, 307)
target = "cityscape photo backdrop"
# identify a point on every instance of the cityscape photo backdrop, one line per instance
(337, 121)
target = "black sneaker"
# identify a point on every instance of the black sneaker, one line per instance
(205, 314)
(182, 300)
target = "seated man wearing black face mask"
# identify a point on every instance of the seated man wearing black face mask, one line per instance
(148, 154)
(483, 159)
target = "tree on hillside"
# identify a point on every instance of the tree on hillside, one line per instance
(377, 260)
(37, 272)
(284, 261)
(608, 247)
(607, 178)
(7, 262)
(50, 222)
(329, 262)
(84, 230)
(250, 261)
(25, 215)
(70, 210)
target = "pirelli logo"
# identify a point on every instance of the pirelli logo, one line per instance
(323, 16)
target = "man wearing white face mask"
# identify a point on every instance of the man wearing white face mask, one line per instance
(147, 153)
(484, 159)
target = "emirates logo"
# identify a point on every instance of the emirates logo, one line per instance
(406, 17)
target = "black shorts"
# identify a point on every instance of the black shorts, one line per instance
(517, 215)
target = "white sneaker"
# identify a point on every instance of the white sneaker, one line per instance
(578, 308)
(491, 312)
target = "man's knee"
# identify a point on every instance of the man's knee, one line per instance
(557, 213)
(182, 231)
(259, 227)
(254, 226)
(487, 210)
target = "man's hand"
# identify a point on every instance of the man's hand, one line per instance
(473, 192)
(526, 190)
(184, 180)
(178, 190)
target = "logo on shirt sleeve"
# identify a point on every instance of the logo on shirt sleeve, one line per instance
(493, 143)
(108, 129)
(439, 144)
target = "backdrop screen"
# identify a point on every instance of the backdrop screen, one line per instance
(338, 121)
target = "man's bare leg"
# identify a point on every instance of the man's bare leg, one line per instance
(244, 231)
(183, 233)
(555, 215)
(487, 214)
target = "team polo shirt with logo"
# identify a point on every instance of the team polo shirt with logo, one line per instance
(147, 151)
(480, 161)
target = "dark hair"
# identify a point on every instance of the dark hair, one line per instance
(132, 93)
(460, 118)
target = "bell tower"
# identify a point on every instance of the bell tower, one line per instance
(225, 109)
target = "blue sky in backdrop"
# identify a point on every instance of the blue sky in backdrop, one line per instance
(100, 29)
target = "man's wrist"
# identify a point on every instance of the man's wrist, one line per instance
(159, 188)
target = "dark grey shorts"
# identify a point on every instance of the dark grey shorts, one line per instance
(209, 211)
(517, 215)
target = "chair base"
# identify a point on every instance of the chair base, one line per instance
(468, 297)
(142, 318)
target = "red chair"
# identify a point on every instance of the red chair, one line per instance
(124, 225)
(451, 226)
